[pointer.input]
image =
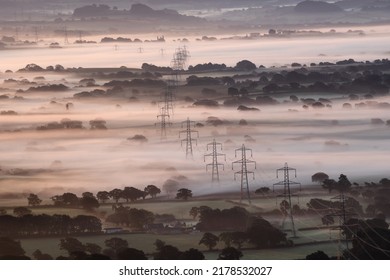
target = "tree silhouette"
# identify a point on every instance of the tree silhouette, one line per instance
(262, 191)
(319, 177)
(230, 253)
(21, 211)
(343, 184)
(71, 245)
(116, 194)
(226, 237)
(210, 240)
(33, 200)
(194, 211)
(192, 254)
(319, 255)
(103, 196)
(152, 190)
(168, 252)
(10, 247)
(183, 194)
(89, 203)
(131, 254)
(38, 255)
(116, 243)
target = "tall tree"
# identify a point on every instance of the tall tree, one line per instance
(103, 196)
(210, 240)
(116, 194)
(33, 200)
(230, 253)
(152, 190)
(22, 211)
(183, 194)
(71, 245)
(116, 243)
(10, 247)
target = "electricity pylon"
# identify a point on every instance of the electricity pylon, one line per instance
(243, 173)
(164, 121)
(286, 183)
(343, 213)
(188, 131)
(214, 164)
(168, 98)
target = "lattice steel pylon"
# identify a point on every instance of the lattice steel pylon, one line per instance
(286, 183)
(214, 164)
(164, 121)
(342, 213)
(188, 131)
(168, 98)
(244, 172)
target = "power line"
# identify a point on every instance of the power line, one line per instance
(188, 140)
(214, 165)
(164, 121)
(286, 183)
(243, 173)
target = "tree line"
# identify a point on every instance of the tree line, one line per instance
(46, 225)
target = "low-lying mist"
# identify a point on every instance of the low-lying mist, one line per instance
(330, 140)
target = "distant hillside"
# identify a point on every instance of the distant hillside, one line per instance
(316, 7)
(358, 4)
(137, 11)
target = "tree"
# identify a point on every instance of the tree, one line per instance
(194, 211)
(245, 65)
(183, 194)
(192, 254)
(230, 253)
(343, 184)
(33, 200)
(116, 194)
(238, 238)
(132, 194)
(168, 252)
(319, 255)
(319, 177)
(3, 211)
(93, 248)
(226, 237)
(22, 211)
(116, 243)
(263, 235)
(97, 124)
(89, 203)
(10, 247)
(131, 254)
(71, 245)
(152, 190)
(170, 186)
(70, 199)
(103, 196)
(329, 184)
(210, 240)
(38, 255)
(262, 191)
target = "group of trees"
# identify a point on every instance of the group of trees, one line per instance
(44, 225)
(131, 217)
(239, 227)
(89, 201)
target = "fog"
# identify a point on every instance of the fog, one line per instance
(53, 161)
(264, 51)
(81, 160)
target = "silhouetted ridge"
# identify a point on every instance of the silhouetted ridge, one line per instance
(316, 7)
